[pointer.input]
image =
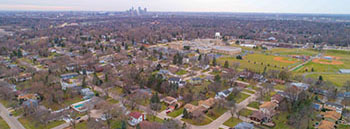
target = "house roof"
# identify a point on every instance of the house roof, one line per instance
(331, 114)
(135, 115)
(168, 99)
(207, 103)
(258, 115)
(174, 79)
(190, 107)
(268, 105)
(326, 125)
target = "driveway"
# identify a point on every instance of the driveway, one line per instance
(10, 120)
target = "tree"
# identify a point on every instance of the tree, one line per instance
(200, 57)
(84, 82)
(123, 125)
(320, 78)
(214, 61)
(185, 114)
(175, 59)
(126, 47)
(19, 53)
(239, 57)
(217, 78)
(226, 65)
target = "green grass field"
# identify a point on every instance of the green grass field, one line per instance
(241, 97)
(3, 124)
(176, 113)
(31, 125)
(232, 122)
(254, 105)
(245, 112)
(286, 51)
(337, 79)
(257, 62)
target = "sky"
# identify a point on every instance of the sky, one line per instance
(261, 6)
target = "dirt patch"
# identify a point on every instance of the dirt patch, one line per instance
(333, 62)
(281, 59)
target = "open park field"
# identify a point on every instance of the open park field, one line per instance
(257, 62)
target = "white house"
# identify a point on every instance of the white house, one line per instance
(136, 118)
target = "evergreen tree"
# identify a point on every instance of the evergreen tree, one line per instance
(200, 57)
(217, 78)
(175, 59)
(118, 48)
(226, 65)
(138, 126)
(320, 78)
(214, 61)
(19, 53)
(185, 113)
(123, 125)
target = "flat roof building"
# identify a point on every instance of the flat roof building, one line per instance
(227, 50)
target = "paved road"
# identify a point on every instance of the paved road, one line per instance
(10, 120)
(227, 115)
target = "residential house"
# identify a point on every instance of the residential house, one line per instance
(136, 118)
(23, 77)
(334, 107)
(70, 83)
(174, 80)
(331, 116)
(169, 100)
(71, 67)
(207, 104)
(277, 81)
(326, 125)
(223, 94)
(300, 86)
(268, 108)
(259, 116)
(87, 93)
(195, 81)
(25, 97)
(190, 107)
(277, 98)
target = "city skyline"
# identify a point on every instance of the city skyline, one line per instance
(249, 6)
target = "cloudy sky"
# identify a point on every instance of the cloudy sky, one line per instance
(266, 6)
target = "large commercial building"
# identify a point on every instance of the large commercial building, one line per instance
(227, 50)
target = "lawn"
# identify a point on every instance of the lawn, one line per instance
(249, 91)
(280, 87)
(245, 112)
(17, 112)
(181, 72)
(337, 79)
(112, 101)
(82, 125)
(268, 97)
(287, 52)
(176, 113)
(205, 121)
(154, 119)
(216, 113)
(257, 62)
(31, 125)
(3, 124)
(163, 107)
(281, 121)
(254, 105)
(343, 127)
(65, 103)
(241, 97)
(232, 122)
